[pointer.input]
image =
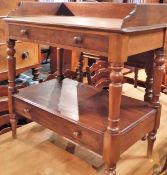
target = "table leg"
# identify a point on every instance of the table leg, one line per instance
(60, 52)
(111, 149)
(35, 73)
(157, 81)
(80, 68)
(165, 80)
(11, 80)
(149, 78)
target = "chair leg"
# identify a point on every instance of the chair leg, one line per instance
(136, 77)
(35, 73)
(151, 139)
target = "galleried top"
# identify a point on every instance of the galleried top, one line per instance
(104, 16)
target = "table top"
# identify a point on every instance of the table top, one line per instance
(72, 21)
(81, 104)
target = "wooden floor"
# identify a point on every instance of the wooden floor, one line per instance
(38, 151)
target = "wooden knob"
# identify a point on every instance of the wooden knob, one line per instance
(26, 110)
(24, 32)
(25, 55)
(76, 133)
(78, 39)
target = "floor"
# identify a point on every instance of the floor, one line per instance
(38, 151)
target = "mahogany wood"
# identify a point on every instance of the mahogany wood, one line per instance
(103, 121)
(67, 54)
(89, 106)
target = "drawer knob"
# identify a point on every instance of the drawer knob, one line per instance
(24, 32)
(26, 110)
(78, 39)
(25, 55)
(76, 133)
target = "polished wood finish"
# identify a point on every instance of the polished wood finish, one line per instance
(81, 121)
(103, 121)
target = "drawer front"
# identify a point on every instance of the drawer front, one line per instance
(26, 55)
(23, 109)
(61, 37)
(70, 130)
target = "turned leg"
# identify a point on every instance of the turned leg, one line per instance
(60, 52)
(11, 60)
(80, 68)
(136, 77)
(111, 148)
(149, 77)
(35, 73)
(157, 81)
(151, 139)
(165, 80)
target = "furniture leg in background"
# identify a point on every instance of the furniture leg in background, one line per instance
(165, 80)
(11, 87)
(36, 73)
(157, 81)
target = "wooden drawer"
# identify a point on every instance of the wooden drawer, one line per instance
(71, 130)
(73, 38)
(26, 56)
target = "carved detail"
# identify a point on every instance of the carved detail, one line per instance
(98, 74)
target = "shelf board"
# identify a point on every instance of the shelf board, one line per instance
(83, 104)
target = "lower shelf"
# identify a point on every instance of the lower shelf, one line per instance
(80, 112)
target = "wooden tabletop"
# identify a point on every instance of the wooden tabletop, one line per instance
(73, 21)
